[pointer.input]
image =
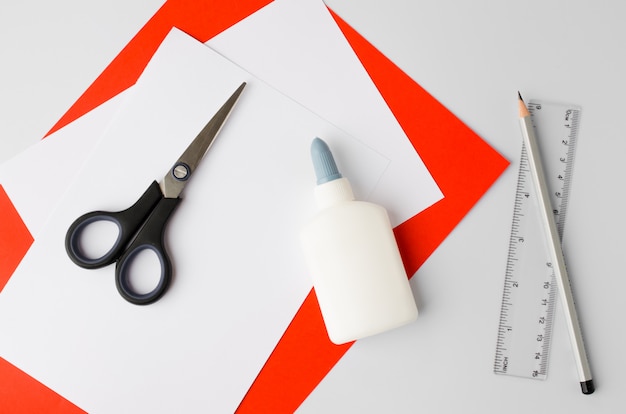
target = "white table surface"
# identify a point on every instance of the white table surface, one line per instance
(473, 57)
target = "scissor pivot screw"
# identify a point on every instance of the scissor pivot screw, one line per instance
(181, 171)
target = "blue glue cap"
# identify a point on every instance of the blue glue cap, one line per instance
(323, 162)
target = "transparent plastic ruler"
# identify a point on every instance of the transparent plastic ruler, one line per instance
(530, 289)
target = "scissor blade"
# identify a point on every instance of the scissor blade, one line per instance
(177, 177)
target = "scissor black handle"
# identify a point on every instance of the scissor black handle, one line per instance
(149, 237)
(127, 221)
(140, 226)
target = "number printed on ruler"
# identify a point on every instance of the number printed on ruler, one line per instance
(530, 290)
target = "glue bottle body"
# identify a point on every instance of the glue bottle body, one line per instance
(358, 274)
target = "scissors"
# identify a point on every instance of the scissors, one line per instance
(142, 225)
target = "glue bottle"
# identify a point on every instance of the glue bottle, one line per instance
(352, 256)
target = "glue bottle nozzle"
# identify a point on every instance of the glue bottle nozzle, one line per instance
(323, 162)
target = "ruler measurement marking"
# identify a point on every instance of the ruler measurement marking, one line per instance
(571, 143)
(530, 289)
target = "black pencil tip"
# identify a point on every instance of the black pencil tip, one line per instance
(520, 96)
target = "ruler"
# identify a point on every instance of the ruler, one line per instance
(530, 288)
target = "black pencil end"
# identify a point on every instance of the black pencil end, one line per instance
(587, 387)
(519, 95)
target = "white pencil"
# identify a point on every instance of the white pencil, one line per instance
(554, 243)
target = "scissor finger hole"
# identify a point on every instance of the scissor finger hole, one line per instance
(97, 238)
(143, 272)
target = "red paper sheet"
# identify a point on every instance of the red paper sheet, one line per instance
(304, 354)
(21, 394)
(15, 239)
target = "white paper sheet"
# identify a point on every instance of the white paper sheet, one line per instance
(239, 274)
(297, 47)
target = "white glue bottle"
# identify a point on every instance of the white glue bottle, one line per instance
(352, 256)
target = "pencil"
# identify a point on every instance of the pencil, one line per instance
(554, 243)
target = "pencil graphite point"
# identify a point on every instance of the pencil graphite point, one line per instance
(523, 110)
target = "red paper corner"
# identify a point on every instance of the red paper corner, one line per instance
(22, 394)
(15, 239)
(462, 164)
